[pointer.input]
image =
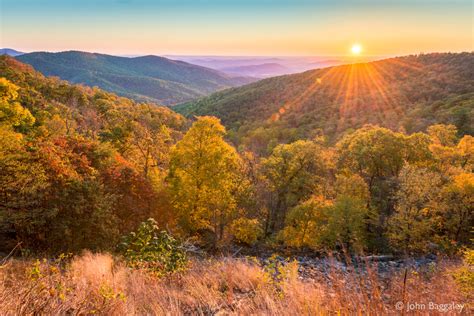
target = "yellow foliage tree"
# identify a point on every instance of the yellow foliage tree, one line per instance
(203, 177)
(306, 224)
(412, 226)
(457, 208)
(11, 112)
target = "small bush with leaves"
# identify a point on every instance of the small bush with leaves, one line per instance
(152, 249)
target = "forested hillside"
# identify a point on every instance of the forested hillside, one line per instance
(148, 78)
(80, 167)
(406, 93)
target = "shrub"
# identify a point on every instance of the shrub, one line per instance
(152, 249)
(464, 275)
(246, 230)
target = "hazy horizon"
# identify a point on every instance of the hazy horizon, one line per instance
(238, 28)
(232, 56)
(207, 55)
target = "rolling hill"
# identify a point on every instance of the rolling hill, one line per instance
(148, 78)
(10, 52)
(406, 93)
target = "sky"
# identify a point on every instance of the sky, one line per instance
(238, 28)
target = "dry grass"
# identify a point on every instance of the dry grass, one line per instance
(99, 284)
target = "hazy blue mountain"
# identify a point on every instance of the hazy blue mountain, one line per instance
(146, 78)
(291, 64)
(259, 71)
(10, 52)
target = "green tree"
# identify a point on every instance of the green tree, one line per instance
(82, 217)
(153, 249)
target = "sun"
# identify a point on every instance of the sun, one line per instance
(356, 49)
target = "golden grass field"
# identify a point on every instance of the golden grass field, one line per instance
(101, 284)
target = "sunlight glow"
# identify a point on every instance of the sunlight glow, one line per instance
(354, 81)
(356, 49)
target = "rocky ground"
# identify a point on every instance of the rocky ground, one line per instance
(312, 265)
(382, 267)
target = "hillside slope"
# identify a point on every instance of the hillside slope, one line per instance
(400, 93)
(76, 161)
(147, 78)
(75, 109)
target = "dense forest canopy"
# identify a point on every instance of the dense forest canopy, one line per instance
(72, 156)
(404, 93)
(80, 167)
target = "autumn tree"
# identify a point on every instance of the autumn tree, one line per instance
(22, 179)
(293, 173)
(307, 224)
(444, 135)
(144, 136)
(349, 215)
(465, 153)
(202, 177)
(452, 156)
(412, 227)
(246, 230)
(456, 210)
(378, 155)
(11, 111)
(372, 152)
(135, 197)
(321, 223)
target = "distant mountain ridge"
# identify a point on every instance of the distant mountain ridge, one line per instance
(259, 70)
(258, 65)
(147, 78)
(10, 52)
(408, 93)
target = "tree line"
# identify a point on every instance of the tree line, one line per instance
(80, 167)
